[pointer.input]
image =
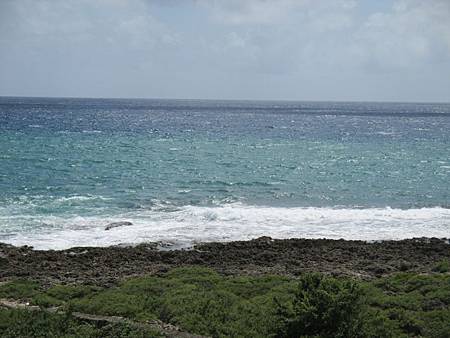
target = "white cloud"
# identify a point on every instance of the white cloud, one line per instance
(333, 34)
(155, 47)
(411, 34)
(269, 12)
(73, 21)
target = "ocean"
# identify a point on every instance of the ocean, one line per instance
(187, 171)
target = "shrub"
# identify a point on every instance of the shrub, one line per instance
(325, 307)
(19, 289)
(201, 301)
(443, 266)
(22, 323)
(60, 294)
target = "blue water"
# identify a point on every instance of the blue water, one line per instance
(190, 170)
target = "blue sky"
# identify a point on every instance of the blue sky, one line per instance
(389, 50)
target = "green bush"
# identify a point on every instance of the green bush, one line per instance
(19, 289)
(325, 307)
(60, 294)
(201, 301)
(113, 303)
(443, 266)
(36, 324)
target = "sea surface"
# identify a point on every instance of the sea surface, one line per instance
(184, 171)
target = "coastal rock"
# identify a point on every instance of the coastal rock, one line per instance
(117, 224)
(105, 266)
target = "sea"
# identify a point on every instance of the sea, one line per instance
(189, 171)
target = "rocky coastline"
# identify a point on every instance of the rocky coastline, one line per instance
(106, 266)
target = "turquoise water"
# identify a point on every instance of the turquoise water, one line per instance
(186, 171)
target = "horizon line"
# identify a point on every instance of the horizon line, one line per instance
(220, 99)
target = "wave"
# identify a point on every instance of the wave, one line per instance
(31, 202)
(191, 224)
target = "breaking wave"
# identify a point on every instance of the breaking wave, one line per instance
(191, 224)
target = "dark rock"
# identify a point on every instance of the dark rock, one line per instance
(117, 224)
(107, 265)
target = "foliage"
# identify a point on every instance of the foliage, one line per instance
(325, 307)
(19, 289)
(60, 294)
(197, 299)
(443, 266)
(201, 301)
(20, 323)
(418, 305)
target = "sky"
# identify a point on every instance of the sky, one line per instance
(326, 50)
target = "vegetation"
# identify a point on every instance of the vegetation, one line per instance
(20, 323)
(199, 300)
(324, 307)
(443, 266)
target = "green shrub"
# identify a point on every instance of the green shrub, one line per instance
(443, 266)
(202, 301)
(325, 307)
(35, 324)
(113, 303)
(60, 294)
(19, 289)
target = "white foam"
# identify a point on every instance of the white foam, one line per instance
(235, 221)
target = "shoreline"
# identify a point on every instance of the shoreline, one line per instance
(190, 224)
(290, 257)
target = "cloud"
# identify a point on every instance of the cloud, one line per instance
(225, 48)
(333, 34)
(80, 21)
(251, 12)
(411, 34)
(268, 12)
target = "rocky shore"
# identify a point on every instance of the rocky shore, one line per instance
(106, 266)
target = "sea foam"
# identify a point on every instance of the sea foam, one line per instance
(191, 224)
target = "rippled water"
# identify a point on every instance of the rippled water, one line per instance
(186, 170)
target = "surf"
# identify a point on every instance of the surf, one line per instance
(190, 224)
